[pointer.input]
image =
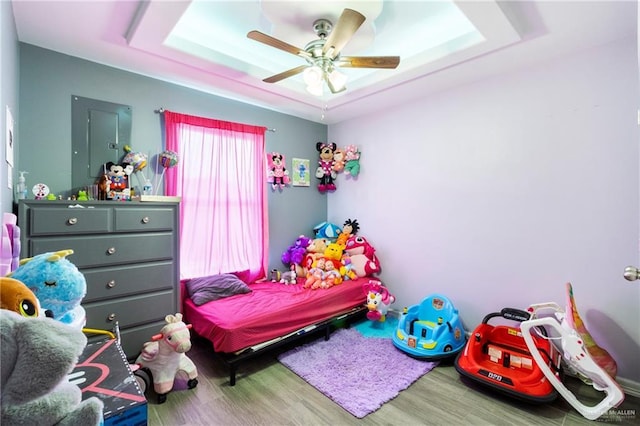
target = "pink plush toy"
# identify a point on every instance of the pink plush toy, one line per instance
(166, 355)
(362, 256)
(378, 300)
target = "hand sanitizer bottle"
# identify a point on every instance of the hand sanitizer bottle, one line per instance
(21, 188)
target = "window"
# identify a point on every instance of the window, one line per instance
(220, 176)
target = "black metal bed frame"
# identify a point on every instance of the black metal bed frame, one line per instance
(232, 360)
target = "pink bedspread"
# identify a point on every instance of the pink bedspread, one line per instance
(269, 311)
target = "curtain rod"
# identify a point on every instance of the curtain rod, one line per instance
(161, 110)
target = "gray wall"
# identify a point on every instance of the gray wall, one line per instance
(48, 79)
(8, 96)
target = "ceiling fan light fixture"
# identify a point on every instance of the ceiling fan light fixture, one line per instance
(338, 80)
(313, 76)
(315, 89)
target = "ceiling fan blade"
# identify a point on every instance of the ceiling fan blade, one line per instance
(285, 74)
(368, 61)
(274, 42)
(347, 25)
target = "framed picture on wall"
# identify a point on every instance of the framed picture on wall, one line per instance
(300, 175)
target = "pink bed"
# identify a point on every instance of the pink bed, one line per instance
(244, 324)
(271, 310)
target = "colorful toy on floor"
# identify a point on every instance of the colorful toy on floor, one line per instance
(37, 355)
(576, 358)
(599, 355)
(378, 300)
(431, 330)
(165, 356)
(57, 283)
(498, 357)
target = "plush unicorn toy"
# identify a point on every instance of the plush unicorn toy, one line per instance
(378, 300)
(165, 356)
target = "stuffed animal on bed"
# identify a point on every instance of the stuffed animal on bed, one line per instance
(165, 356)
(57, 283)
(295, 253)
(350, 227)
(315, 250)
(362, 257)
(37, 355)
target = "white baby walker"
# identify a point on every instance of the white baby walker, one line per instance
(575, 358)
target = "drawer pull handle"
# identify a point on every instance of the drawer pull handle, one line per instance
(111, 284)
(72, 220)
(111, 317)
(146, 219)
(111, 250)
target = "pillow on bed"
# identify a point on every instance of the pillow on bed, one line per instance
(214, 287)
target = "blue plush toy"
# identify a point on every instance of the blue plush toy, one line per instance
(57, 283)
(327, 230)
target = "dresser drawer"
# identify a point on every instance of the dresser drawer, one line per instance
(59, 220)
(131, 311)
(117, 281)
(144, 219)
(105, 250)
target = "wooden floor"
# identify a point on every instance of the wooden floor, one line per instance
(267, 393)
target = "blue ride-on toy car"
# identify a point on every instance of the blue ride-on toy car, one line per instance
(431, 330)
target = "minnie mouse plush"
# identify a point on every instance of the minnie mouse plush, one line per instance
(325, 171)
(278, 175)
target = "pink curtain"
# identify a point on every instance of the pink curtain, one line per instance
(220, 176)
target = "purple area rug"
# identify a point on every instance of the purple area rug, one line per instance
(357, 373)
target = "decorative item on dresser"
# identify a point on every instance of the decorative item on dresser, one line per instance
(127, 251)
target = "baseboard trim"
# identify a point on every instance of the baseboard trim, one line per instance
(629, 387)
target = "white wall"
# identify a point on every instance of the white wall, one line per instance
(499, 192)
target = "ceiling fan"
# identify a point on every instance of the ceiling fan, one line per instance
(323, 55)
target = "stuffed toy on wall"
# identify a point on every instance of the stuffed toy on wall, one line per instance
(57, 283)
(352, 160)
(37, 355)
(325, 171)
(277, 173)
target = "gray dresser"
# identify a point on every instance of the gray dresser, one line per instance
(127, 251)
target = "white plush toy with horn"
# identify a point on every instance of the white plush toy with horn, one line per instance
(166, 355)
(378, 300)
